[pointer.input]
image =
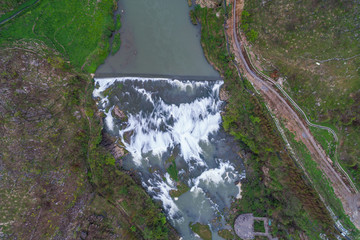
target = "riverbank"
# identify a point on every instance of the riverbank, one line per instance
(328, 181)
(274, 187)
(58, 179)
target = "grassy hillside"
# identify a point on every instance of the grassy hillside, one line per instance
(314, 46)
(274, 186)
(9, 5)
(56, 176)
(79, 30)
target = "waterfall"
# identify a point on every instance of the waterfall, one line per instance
(170, 120)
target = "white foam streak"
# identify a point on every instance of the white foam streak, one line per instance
(104, 102)
(109, 120)
(161, 127)
(216, 176)
(144, 139)
(105, 83)
(145, 93)
(193, 122)
(162, 192)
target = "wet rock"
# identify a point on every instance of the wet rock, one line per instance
(127, 136)
(119, 114)
(242, 154)
(111, 144)
(117, 151)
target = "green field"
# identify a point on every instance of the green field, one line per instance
(79, 30)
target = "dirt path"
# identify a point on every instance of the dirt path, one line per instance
(283, 109)
(17, 13)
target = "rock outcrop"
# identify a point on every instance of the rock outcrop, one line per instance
(119, 114)
(224, 95)
(208, 3)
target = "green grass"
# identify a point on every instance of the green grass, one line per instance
(251, 34)
(193, 17)
(326, 140)
(173, 171)
(321, 183)
(259, 226)
(118, 22)
(181, 189)
(202, 230)
(226, 234)
(116, 44)
(79, 30)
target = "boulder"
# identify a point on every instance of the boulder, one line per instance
(224, 95)
(117, 151)
(119, 113)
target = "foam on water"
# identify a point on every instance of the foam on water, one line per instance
(103, 83)
(157, 125)
(161, 191)
(168, 125)
(109, 120)
(216, 176)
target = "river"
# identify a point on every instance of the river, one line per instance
(158, 38)
(172, 129)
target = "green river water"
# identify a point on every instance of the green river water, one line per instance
(157, 37)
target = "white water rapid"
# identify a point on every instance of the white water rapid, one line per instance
(170, 120)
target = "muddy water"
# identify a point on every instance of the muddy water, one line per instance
(170, 120)
(158, 38)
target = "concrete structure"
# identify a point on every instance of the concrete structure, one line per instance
(244, 227)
